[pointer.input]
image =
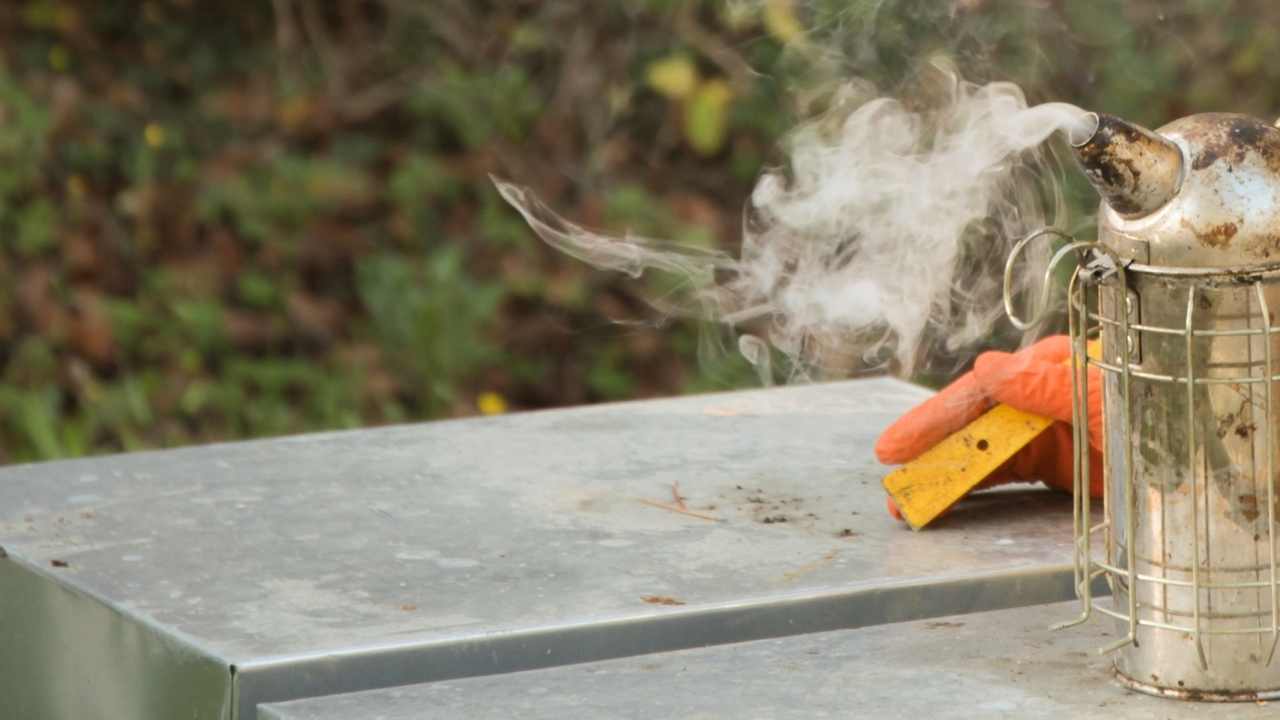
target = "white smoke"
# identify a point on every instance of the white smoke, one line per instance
(882, 237)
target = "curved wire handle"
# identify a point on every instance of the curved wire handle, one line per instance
(1047, 284)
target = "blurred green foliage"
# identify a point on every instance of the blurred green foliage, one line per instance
(222, 220)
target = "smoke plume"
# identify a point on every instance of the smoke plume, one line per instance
(878, 243)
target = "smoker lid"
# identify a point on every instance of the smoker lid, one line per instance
(1227, 210)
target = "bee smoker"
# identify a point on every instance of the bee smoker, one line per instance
(1182, 285)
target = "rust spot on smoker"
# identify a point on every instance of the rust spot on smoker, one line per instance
(1265, 245)
(1249, 507)
(1181, 693)
(1218, 236)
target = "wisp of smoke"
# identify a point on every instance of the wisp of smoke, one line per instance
(878, 243)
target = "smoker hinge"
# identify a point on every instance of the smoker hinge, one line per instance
(1098, 267)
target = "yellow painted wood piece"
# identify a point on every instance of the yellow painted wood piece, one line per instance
(925, 487)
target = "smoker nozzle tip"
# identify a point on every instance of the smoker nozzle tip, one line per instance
(1082, 131)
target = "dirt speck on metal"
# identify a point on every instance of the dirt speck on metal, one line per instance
(661, 600)
(772, 509)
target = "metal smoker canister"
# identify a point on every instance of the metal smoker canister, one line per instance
(1183, 286)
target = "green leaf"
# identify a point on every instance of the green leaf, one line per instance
(707, 117)
(36, 227)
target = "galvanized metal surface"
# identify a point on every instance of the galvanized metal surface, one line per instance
(989, 665)
(347, 561)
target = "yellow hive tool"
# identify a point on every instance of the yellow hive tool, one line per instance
(925, 487)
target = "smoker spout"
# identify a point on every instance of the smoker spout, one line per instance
(1133, 169)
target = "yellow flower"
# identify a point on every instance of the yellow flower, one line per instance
(674, 76)
(491, 403)
(154, 134)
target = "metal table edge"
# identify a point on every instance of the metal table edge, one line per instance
(153, 671)
(291, 677)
